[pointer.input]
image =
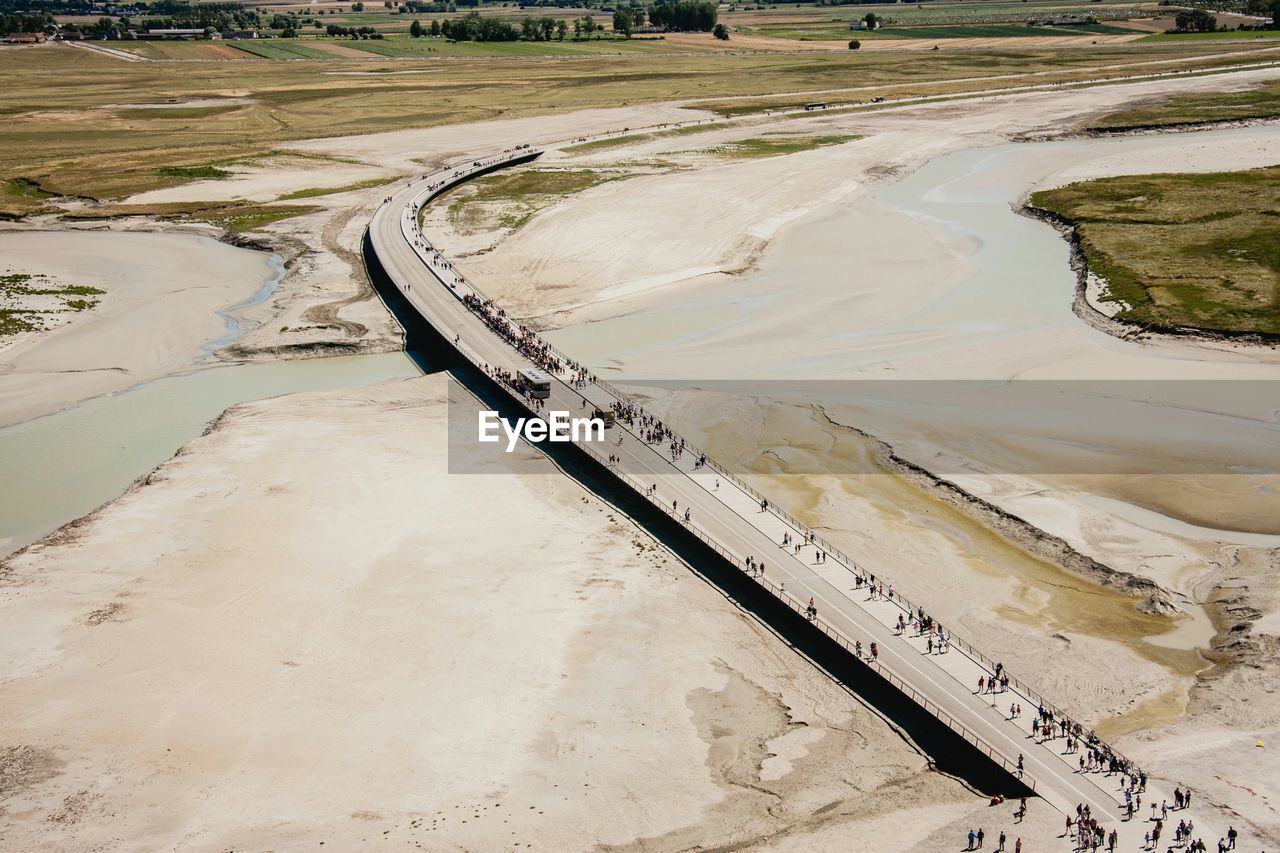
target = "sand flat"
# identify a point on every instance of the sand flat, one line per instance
(163, 291)
(340, 658)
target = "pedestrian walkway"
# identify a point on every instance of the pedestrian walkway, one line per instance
(860, 609)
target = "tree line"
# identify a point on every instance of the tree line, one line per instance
(17, 22)
(353, 32)
(683, 15)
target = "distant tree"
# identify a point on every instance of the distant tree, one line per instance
(871, 22)
(1195, 21)
(562, 29)
(721, 32)
(529, 29)
(434, 29)
(577, 28)
(623, 21)
(684, 15)
(855, 44)
(588, 25)
(288, 33)
(415, 29)
(546, 26)
(357, 7)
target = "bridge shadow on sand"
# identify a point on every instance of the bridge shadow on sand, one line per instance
(947, 751)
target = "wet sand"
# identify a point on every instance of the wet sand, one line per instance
(159, 314)
(340, 659)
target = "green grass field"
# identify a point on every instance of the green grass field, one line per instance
(828, 33)
(1262, 102)
(998, 31)
(20, 196)
(1197, 251)
(1234, 35)
(398, 46)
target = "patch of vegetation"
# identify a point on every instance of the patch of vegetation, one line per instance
(509, 200)
(181, 113)
(631, 139)
(233, 216)
(14, 321)
(313, 192)
(20, 197)
(21, 309)
(1260, 103)
(1179, 251)
(207, 171)
(773, 146)
(1234, 35)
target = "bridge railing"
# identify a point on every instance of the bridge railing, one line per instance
(411, 228)
(778, 592)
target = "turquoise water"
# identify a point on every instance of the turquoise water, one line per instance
(59, 467)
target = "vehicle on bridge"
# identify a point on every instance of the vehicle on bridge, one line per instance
(535, 383)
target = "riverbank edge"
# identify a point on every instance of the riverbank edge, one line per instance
(290, 250)
(1232, 616)
(1140, 130)
(1091, 314)
(1017, 530)
(1234, 643)
(68, 533)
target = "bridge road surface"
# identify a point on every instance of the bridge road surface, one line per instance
(723, 513)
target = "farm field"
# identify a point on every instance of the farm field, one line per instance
(1233, 36)
(66, 147)
(428, 48)
(279, 49)
(946, 32)
(189, 51)
(399, 46)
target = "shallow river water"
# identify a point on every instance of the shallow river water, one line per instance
(938, 277)
(62, 466)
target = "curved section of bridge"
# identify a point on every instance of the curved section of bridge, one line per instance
(736, 522)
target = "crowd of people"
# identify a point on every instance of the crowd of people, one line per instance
(1089, 832)
(1046, 724)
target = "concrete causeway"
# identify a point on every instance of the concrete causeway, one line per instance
(728, 515)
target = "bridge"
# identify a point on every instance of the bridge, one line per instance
(854, 608)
